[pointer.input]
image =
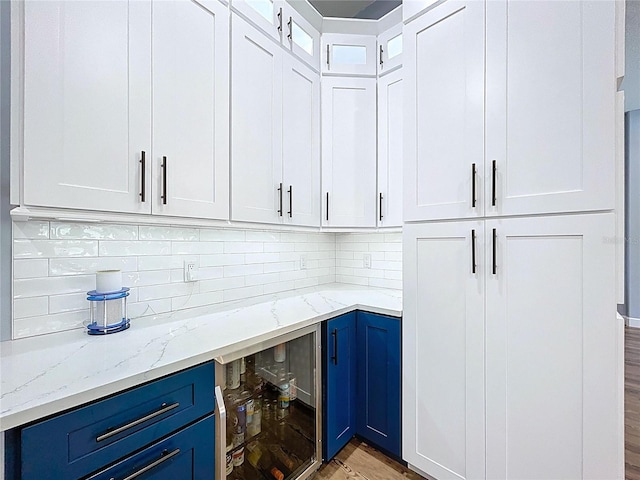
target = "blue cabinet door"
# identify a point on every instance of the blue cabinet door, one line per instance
(379, 383)
(339, 362)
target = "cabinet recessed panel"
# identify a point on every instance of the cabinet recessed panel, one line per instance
(550, 106)
(443, 350)
(86, 103)
(256, 134)
(190, 108)
(444, 111)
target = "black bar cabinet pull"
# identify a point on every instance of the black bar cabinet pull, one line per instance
(280, 20)
(290, 212)
(143, 174)
(381, 61)
(164, 408)
(166, 455)
(493, 183)
(290, 25)
(280, 195)
(327, 206)
(473, 251)
(495, 238)
(381, 206)
(473, 185)
(327, 55)
(164, 181)
(334, 357)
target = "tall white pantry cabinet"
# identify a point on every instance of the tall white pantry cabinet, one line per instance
(510, 341)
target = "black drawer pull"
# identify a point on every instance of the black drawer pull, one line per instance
(164, 408)
(143, 176)
(334, 357)
(164, 195)
(165, 456)
(473, 250)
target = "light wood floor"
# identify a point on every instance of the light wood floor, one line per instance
(357, 460)
(632, 403)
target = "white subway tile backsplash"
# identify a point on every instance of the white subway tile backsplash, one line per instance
(54, 248)
(33, 229)
(243, 247)
(32, 268)
(140, 247)
(54, 266)
(169, 233)
(75, 266)
(80, 231)
(196, 248)
(30, 307)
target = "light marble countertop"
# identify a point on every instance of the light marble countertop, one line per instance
(40, 376)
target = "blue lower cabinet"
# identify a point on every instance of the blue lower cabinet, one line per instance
(339, 367)
(362, 382)
(379, 384)
(187, 454)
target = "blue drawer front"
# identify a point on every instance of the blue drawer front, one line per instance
(66, 446)
(340, 382)
(379, 381)
(187, 454)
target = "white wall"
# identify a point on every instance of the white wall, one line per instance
(631, 83)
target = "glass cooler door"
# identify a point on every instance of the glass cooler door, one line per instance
(271, 430)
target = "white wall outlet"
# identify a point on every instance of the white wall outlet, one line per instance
(303, 262)
(366, 260)
(190, 271)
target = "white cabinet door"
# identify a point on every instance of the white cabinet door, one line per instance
(443, 349)
(256, 130)
(390, 139)
(552, 397)
(443, 61)
(390, 49)
(349, 152)
(191, 108)
(300, 37)
(550, 106)
(301, 143)
(349, 54)
(87, 104)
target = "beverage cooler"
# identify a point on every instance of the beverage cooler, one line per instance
(268, 409)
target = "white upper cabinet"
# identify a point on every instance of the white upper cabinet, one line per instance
(444, 112)
(390, 49)
(275, 133)
(256, 130)
(390, 139)
(87, 104)
(349, 152)
(348, 54)
(301, 143)
(550, 106)
(282, 22)
(190, 161)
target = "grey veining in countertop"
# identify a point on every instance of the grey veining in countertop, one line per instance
(43, 375)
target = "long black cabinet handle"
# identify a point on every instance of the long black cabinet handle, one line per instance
(327, 55)
(327, 206)
(290, 25)
(493, 183)
(280, 195)
(473, 251)
(381, 61)
(290, 191)
(143, 175)
(280, 20)
(380, 200)
(166, 455)
(473, 185)
(334, 357)
(164, 181)
(164, 408)
(495, 238)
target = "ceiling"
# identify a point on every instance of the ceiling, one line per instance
(369, 9)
